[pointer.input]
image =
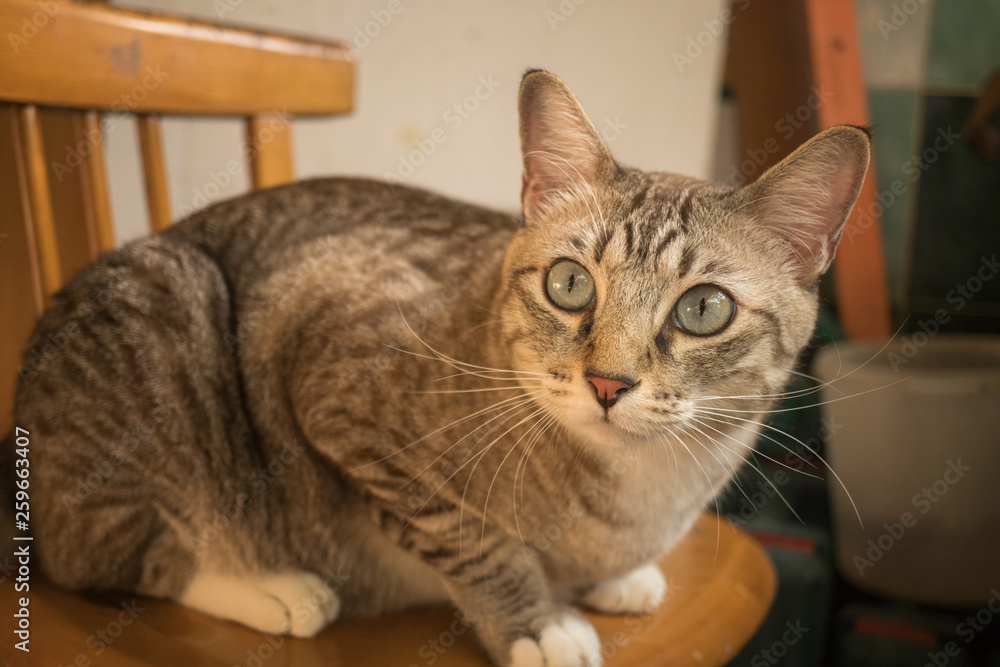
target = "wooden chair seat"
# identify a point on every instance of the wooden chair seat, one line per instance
(720, 586)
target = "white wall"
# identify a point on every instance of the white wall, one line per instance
(618, 57)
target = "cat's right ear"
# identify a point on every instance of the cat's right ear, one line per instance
(805, 199)
(563, 154)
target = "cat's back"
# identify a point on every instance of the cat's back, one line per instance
(253, 236)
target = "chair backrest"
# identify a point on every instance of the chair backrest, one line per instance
(66, 67)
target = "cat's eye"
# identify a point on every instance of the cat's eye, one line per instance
(569, 285)
(704, 310)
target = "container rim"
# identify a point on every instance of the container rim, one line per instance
(941, 356)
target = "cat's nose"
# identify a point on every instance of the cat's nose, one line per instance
(609, 389)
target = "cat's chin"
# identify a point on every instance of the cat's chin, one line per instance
(607, 435)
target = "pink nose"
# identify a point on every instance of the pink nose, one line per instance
(608, 389)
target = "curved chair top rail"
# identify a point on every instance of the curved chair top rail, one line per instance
(91, 56)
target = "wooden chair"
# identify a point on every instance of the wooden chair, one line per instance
(62, 65)
(67, 65)
(720, 587)
(795, 68)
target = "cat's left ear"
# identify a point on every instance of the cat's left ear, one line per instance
(563, 153)
(806, 198)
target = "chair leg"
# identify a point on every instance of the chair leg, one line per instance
(155, 170)
(269, 138)
(34, 183)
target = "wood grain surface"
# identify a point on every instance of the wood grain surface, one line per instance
(721, 585)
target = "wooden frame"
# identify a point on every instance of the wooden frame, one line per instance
(65, 63)
(89, 56)
(795, 68)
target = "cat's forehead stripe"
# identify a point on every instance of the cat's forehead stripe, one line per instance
(774, 327)
(665, 242)
(603, 239)
(542, 317)
(687, 261)
(684, 210)
(649, 226)
(639, 198)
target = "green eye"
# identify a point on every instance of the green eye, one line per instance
(569, 285)
(704, 310)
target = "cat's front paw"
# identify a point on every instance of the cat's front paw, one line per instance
(638, 592)
(309, 603)
(288, 603)
(564, 640)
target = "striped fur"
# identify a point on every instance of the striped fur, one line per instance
(360, 392)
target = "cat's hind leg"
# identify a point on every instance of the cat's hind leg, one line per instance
(145, 478)
(294, 603)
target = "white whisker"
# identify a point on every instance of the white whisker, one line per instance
(758, 471)
(705, 415)
(465, 491)
(808, 449)
(512, 404)
(811, 405)
(489, 490)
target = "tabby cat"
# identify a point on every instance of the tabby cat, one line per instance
(343, 397)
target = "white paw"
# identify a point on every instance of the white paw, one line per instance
(294, 603)
(638, 592)
(310, 603)
(568, 641)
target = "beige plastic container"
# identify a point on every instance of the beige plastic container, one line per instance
(916, 441)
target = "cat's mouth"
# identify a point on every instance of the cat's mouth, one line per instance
(614, 429)
(634, 418)
(616, 425)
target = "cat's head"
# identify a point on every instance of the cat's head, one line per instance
(653, 304)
